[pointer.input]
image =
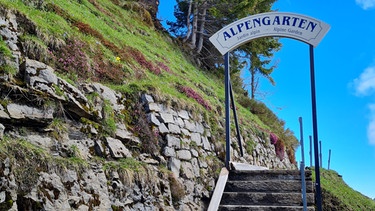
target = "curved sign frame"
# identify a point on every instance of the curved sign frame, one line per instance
(270, 24)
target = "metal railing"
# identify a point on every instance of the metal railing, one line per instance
(229, 101)
(302, 168)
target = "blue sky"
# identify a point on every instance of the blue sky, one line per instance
(345, 85)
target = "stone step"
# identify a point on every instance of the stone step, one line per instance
(276, 186)
(250, 175)
(262, 208)
(273, 199)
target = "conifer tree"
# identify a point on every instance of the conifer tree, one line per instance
(197, 20)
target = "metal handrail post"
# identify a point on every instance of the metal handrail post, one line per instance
(315, 132)
(227, 110)
(235, 119)
(310, 151)
(303, 178)
(320, 154)
(302, 168)
(329, 159)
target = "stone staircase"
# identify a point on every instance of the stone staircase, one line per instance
(266, 190)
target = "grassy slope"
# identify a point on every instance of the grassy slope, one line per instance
(120, 34)
(337, 195)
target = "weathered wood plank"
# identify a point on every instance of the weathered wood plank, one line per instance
(219, 190)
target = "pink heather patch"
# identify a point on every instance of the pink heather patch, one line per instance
(192, 94)
(141, 59)
(280, 150)
(164, 67)
(273, 138)
(279, 146)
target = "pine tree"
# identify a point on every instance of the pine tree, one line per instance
(197, 20)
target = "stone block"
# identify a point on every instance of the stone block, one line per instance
(153, 107)
(166, 117)
(184, 155)
(180, 122)
(199, 128)
(117, 149)
(183, 114)
(109, 95)
(174, 165)
(163, 129)
(151, 117)
(196, 137)
(124, 135)
(173, 141)
(194, 163)
(189, 171)
(194, 153)
(206, 143)
(147, 98)
(185, 132)
(169, 152)
(2, 128)
(37, 72)
(26, 113)
(3, 114)
(175, 129)
(2, 197)
(190, 125)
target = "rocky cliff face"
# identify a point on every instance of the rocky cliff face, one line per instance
(62, 147)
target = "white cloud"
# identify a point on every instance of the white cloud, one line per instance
(365, 83)
(371, 126)
(366, 4)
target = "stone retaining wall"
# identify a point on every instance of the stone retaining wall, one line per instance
(111, 173)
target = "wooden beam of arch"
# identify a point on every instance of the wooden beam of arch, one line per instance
(270, 24)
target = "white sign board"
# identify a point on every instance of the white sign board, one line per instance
(270, 24)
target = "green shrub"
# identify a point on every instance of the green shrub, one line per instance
(286, 137)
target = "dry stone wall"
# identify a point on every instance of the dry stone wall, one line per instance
(187, 136)
(54, 156)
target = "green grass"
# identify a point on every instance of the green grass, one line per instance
(4, 49)
(107, 31)
(337, 195)
(6, 53)
(125, 163)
